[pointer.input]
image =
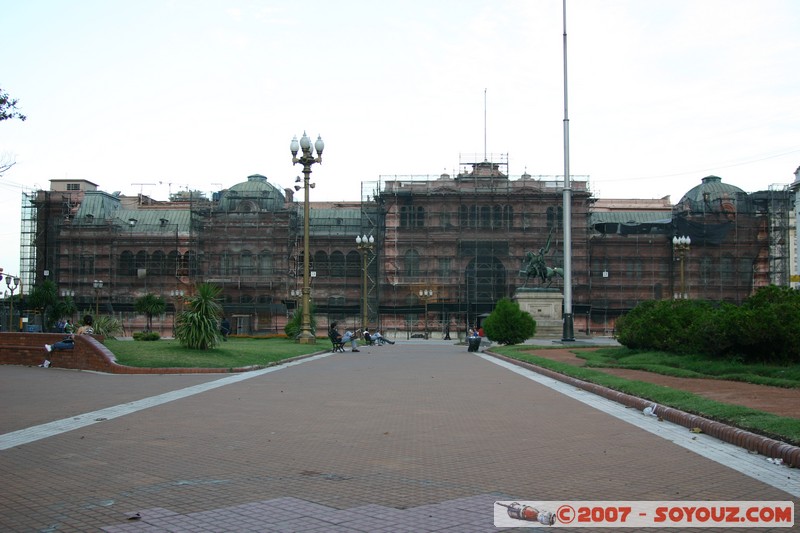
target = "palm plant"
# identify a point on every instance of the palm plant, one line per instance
(150, 305)
(43, 297)
(196, 327)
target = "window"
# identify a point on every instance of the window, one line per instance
(321, 263)
(265, 263)
(411, 263)
(73, 186)
(444, 268)
(173, 261)
(353, 264)
(705, 270)
(555, 218)
(126, 267)
(225, 264)
(246, 264)
(158, 263)
(508, 216)
(726, 269)
(337, 265)
(87, 264)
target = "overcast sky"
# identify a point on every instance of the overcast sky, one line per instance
(158, 96)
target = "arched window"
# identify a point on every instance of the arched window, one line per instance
(555, 218)
(321, 263)
(192, 263)
(337, 265)
(353, 264)
(126, 267)
(158, 263)
(411, 263)
(173, 263)
(141, 263)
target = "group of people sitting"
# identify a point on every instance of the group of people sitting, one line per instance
(352, 338)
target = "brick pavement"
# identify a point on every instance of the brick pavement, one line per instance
(412, 437)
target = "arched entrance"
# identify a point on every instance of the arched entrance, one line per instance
(485, 283)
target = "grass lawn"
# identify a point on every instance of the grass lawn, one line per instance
(777, 427)
(235, 353)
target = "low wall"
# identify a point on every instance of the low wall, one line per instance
(89, 353)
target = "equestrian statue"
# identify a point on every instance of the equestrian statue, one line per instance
(535, 265)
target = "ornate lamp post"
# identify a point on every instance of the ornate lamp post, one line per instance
(12, 283)
(425, 295)
(97, 284)
(680, 247)
(365, 245)
(306, 159)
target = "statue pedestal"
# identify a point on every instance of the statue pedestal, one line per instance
(546, 307)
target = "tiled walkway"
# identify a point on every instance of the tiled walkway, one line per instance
(413, 437)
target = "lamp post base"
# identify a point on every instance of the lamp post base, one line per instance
(306, 338)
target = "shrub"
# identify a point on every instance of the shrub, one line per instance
(146, 336)
(197, 327)
(765, 328)
(107, 326)
(508, 324)
(294, 326)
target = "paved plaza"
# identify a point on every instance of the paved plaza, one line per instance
(419, 436)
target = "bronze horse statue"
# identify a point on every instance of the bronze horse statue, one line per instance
(534, 265)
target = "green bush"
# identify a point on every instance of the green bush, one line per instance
(765, 328)
(668, 325)
(294, 326)
(508, 324)
(107, 326)
(146, 336)
(197, 327)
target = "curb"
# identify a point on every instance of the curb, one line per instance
(770, 448)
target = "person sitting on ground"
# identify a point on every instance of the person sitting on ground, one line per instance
(378, 338)
(68, 343)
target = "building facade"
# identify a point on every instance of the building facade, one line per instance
(446, 248)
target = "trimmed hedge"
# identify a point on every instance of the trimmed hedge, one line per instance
(765, 328)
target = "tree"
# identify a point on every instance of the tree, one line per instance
(508, 324)
(150, 305)
(43, 297)
(197, 326)
(8, 107)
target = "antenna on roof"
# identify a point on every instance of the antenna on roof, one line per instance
(485, 155)
(141, 186)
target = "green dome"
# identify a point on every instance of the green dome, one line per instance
(711, 195)
(252, 196)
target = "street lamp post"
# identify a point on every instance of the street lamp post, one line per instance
(97, 284)
(680, 246)
(12, 283)
(306, 159)
(426, 295)
(177, 295)
(365, 245)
